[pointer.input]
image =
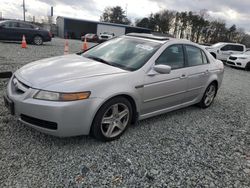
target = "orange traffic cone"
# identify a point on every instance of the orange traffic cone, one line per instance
(85, 45)
(24, 44)
(66, 47)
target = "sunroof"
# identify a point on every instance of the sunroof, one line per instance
(148, 36)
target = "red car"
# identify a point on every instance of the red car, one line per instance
(90, 37)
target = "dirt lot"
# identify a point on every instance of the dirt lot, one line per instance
(186, 148)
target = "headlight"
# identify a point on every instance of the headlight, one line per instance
(54, 96)
(242, 57)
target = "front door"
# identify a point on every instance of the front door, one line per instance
(9, 31)
(162, 91)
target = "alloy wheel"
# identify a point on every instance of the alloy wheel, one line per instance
(209, 95)
(38, 40)
(115, 120)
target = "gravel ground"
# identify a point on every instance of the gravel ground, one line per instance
(185, 148)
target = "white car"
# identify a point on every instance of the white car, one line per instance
(105, 36)
(222, 50)
(240, 60)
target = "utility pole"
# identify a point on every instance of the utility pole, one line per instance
(126, 9)
(24, 10)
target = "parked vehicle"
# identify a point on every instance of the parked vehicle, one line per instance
(240, 60)
(12, 30)
(102, 93)
(90, 37)
(105, 36)
(222, 50)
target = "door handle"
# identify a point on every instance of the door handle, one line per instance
(183, 76)
(206, 72)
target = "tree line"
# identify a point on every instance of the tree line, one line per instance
(197, 27)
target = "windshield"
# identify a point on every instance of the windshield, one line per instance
(1, 22)
(217, 45)
(123, 52)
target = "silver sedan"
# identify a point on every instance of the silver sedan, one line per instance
(107, 88)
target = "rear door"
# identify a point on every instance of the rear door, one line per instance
(237, 49)
(197, 71)
(27, 30)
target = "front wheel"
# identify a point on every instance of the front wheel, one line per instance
(38, 40)
(247, 66)
(208, 96)
(112, 119)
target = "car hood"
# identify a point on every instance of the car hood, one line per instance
(46, 72)
(241, 55)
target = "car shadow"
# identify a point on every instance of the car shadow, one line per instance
(43, 139)
(19, 42)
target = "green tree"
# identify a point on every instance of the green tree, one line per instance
(232, 32)
(184, 23)
(165, 20)
(114, 15)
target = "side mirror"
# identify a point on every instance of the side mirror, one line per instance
(161, 69)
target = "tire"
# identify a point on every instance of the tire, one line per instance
(38, 40)
(208, 96)
(112, 119)
(247, 66)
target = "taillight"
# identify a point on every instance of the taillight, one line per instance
(50, 34)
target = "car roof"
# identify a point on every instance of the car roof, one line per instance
(19, 21)
(148, 36)
(157, 38)
(222, 43)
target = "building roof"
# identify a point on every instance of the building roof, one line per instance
(103, 23)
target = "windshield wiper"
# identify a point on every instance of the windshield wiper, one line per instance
(99, 59)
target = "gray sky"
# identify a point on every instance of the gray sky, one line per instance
(232, 11)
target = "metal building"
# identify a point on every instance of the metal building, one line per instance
(75, 28)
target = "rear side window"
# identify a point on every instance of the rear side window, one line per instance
(172, 56)
(238, 48)
(25, 26)
(204, 57)
(194, 56)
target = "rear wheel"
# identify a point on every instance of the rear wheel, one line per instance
(38, 40)
(208, 96)
(112, 119)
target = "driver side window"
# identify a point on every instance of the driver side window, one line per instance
(172, 56)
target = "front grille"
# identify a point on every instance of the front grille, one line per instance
(104, 37)
(39, 122)
(230, 63)
(232, 58)
(19, 86)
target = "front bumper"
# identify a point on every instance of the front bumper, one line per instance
(236, 63)
(61, 119)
